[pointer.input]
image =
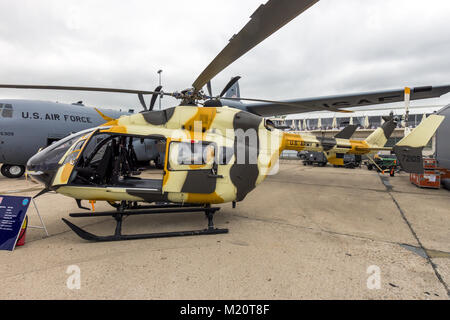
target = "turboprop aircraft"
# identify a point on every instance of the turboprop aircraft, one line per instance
(214, 154)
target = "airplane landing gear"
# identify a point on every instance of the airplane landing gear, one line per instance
(12, 170)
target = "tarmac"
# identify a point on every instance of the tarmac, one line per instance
(304, 233)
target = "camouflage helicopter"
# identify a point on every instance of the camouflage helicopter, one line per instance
(213, 154)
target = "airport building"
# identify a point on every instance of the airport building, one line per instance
(328, 124)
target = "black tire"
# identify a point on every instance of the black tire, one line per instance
(12, 171)
(369, 167)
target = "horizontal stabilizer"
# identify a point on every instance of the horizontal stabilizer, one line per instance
(420, 136)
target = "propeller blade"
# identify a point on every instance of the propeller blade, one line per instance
(154, 97)
(229, 85)
(267, 19)
(142, 101)
(208, 86)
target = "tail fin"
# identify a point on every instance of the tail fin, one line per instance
(234, 91)
(409, 149)
(105, 117)
(380, 136)
(109, 121)
(347, 132)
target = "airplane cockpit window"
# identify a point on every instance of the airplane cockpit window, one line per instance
(6, 110)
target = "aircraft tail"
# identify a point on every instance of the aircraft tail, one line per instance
(109, 120)
(233, 92)
(380, 136)
(409, 149)
(347, 132)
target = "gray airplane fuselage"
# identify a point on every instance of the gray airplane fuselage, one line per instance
(27, 125)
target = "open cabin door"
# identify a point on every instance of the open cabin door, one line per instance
(68, 161)
(190, 167)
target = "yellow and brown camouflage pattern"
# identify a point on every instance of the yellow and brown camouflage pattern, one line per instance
(229, 129)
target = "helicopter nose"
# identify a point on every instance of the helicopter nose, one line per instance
(39, 171)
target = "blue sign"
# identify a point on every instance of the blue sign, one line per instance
(12, 213)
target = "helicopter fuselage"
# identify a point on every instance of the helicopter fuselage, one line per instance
(212, 155)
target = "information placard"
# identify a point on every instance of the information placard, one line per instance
(12, 213)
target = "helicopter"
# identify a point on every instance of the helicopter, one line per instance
(214, 154)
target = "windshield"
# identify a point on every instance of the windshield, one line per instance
(48, 158)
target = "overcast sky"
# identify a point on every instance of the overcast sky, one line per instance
(336, 47)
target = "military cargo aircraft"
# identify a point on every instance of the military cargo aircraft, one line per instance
(214, 153)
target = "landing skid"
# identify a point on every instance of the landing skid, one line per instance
(155, 209)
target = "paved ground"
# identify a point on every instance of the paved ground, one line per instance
(305, 233)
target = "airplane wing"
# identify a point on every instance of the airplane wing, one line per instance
(332, 103)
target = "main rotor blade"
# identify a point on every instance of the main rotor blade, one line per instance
(154, 97)
(292, 104)
(267, 19)
(45, 87)
(142, 101)
(208, 86)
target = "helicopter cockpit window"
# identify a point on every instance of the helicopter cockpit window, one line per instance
(95, 148)
(188, 155)
(75, 150)
(49, 157)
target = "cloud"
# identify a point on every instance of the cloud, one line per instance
(335, 47)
